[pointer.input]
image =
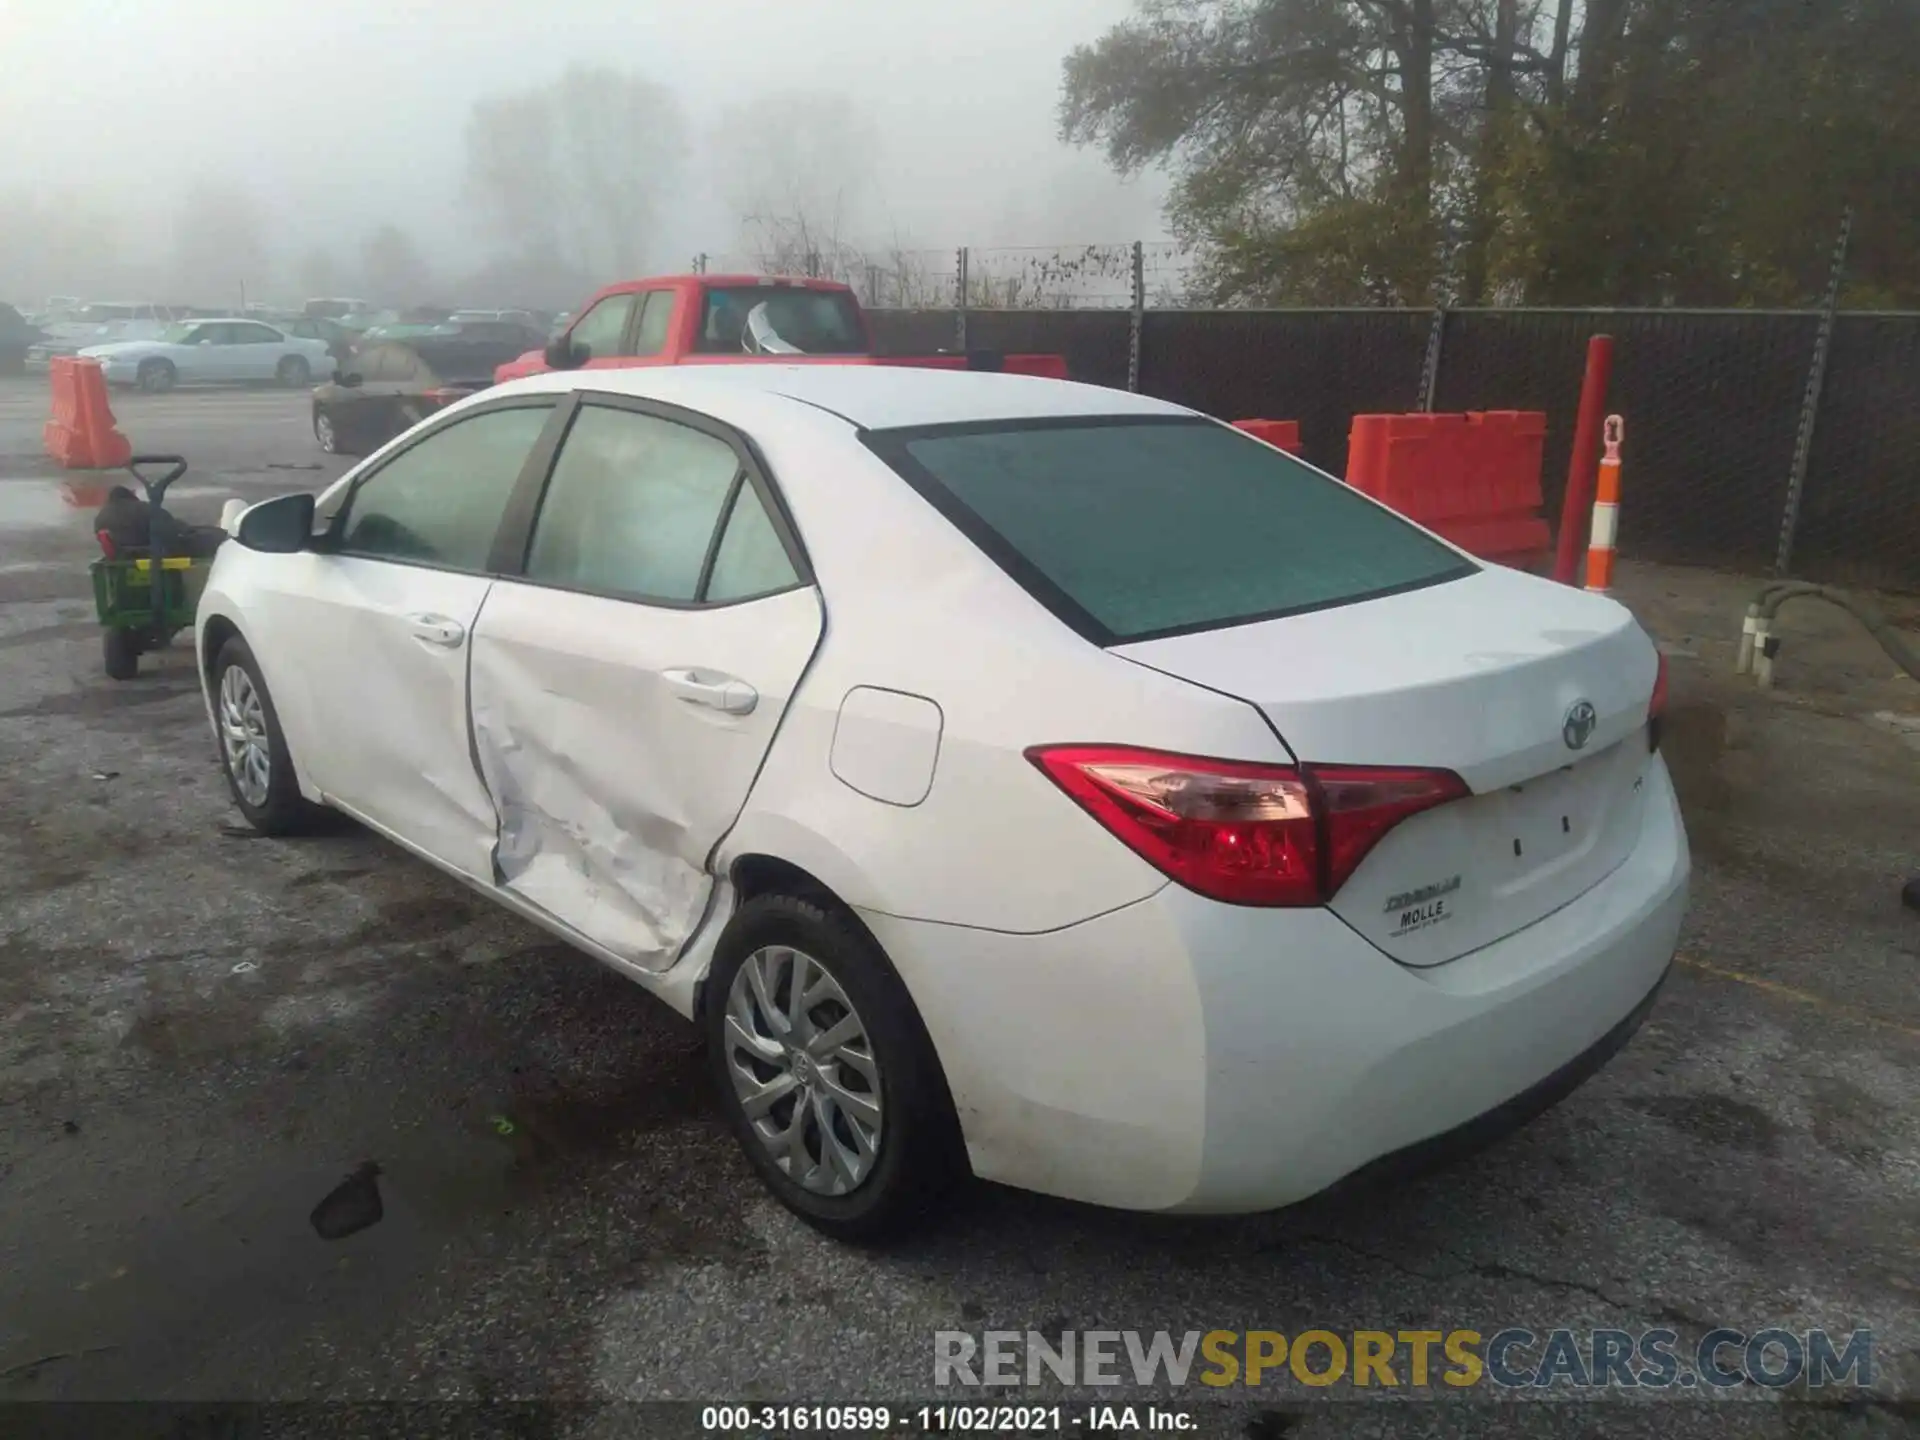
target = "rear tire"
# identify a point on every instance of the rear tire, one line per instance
(156, 377)
(333, 440)
(121, 651)
(248, 732)
(905, 1175)
(294, 372)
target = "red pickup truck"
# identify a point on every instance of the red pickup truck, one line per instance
(728, 319)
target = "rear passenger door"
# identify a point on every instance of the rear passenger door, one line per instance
(627, 685)
(652, 323)
(257, 350)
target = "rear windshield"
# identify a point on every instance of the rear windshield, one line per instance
(816, 322)
(1131, 530)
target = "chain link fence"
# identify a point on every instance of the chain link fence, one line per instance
(1761, 441)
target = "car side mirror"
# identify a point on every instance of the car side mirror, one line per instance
(282, 526)
(563, 354)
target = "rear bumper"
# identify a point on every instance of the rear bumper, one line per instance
(1183, 1055)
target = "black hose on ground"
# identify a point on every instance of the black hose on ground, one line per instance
(1759, 644)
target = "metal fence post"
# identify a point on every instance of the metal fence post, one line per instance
(1810, 401)
(1430, 367)
(960, 299)
(1139, 318)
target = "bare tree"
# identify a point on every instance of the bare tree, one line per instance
(320, 273)
(513, 181)
(58, 244)
(219, 245)
(798, 168)
(577, 168)
(395, 270)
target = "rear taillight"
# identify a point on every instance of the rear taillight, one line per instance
(1657, 706)
(1244, 833)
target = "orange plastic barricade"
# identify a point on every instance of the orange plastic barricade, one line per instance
(1281, 434)
(1048, 367)
(1473, 478)
(80, 433)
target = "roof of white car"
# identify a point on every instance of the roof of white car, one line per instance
(873, 397)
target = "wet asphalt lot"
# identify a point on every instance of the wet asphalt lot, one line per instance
(202, 1033)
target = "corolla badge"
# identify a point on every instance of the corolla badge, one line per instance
(1582, 720)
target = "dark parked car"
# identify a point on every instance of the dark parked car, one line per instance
(392, 385)
(17, 335)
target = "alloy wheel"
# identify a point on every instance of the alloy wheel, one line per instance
(243, 735)
(804, 1070)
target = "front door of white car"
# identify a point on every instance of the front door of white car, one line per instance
(626, 689)
(203, 354)
(383, 619)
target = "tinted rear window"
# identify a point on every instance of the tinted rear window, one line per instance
(1129, 530)
(819, 322)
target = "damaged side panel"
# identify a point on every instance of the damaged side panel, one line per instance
(619, 742)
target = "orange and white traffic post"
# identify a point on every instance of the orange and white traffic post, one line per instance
(1606, 512)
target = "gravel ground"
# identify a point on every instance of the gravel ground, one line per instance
(201, 1034)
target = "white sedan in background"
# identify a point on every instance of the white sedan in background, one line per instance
(214, 351)
(1008, 775)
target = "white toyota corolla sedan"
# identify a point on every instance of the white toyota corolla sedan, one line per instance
(1010, 776)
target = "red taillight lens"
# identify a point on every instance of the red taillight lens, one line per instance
(1244, 833)
(1657, 706)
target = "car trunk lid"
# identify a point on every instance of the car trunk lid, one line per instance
(1535, 695)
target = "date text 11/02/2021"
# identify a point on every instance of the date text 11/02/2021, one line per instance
(942, 1419)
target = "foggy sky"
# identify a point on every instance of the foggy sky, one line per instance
(343, 114)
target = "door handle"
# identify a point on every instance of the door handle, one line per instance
(713, 690)
(438, 630)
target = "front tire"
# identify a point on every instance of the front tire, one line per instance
(156, 377)
(253, 748)
(294, 372)
(826, 1073)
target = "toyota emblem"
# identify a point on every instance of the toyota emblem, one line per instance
(1582, 720)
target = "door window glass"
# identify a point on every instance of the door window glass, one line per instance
(751, 560)
(652, 336)
(632, 506)
(600, 329)
(440, 501)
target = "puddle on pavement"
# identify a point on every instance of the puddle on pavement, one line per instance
(188, 1291)
(34, 505)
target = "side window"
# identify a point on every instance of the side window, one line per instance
(254, 335)
(440, 501)
(651, 338)
(751, 560)
(599, 330)
(632, 506)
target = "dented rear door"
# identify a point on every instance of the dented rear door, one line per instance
(625, 691)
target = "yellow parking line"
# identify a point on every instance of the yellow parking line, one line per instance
(1788, 992)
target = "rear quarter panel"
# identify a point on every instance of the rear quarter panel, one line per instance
(912, 607)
